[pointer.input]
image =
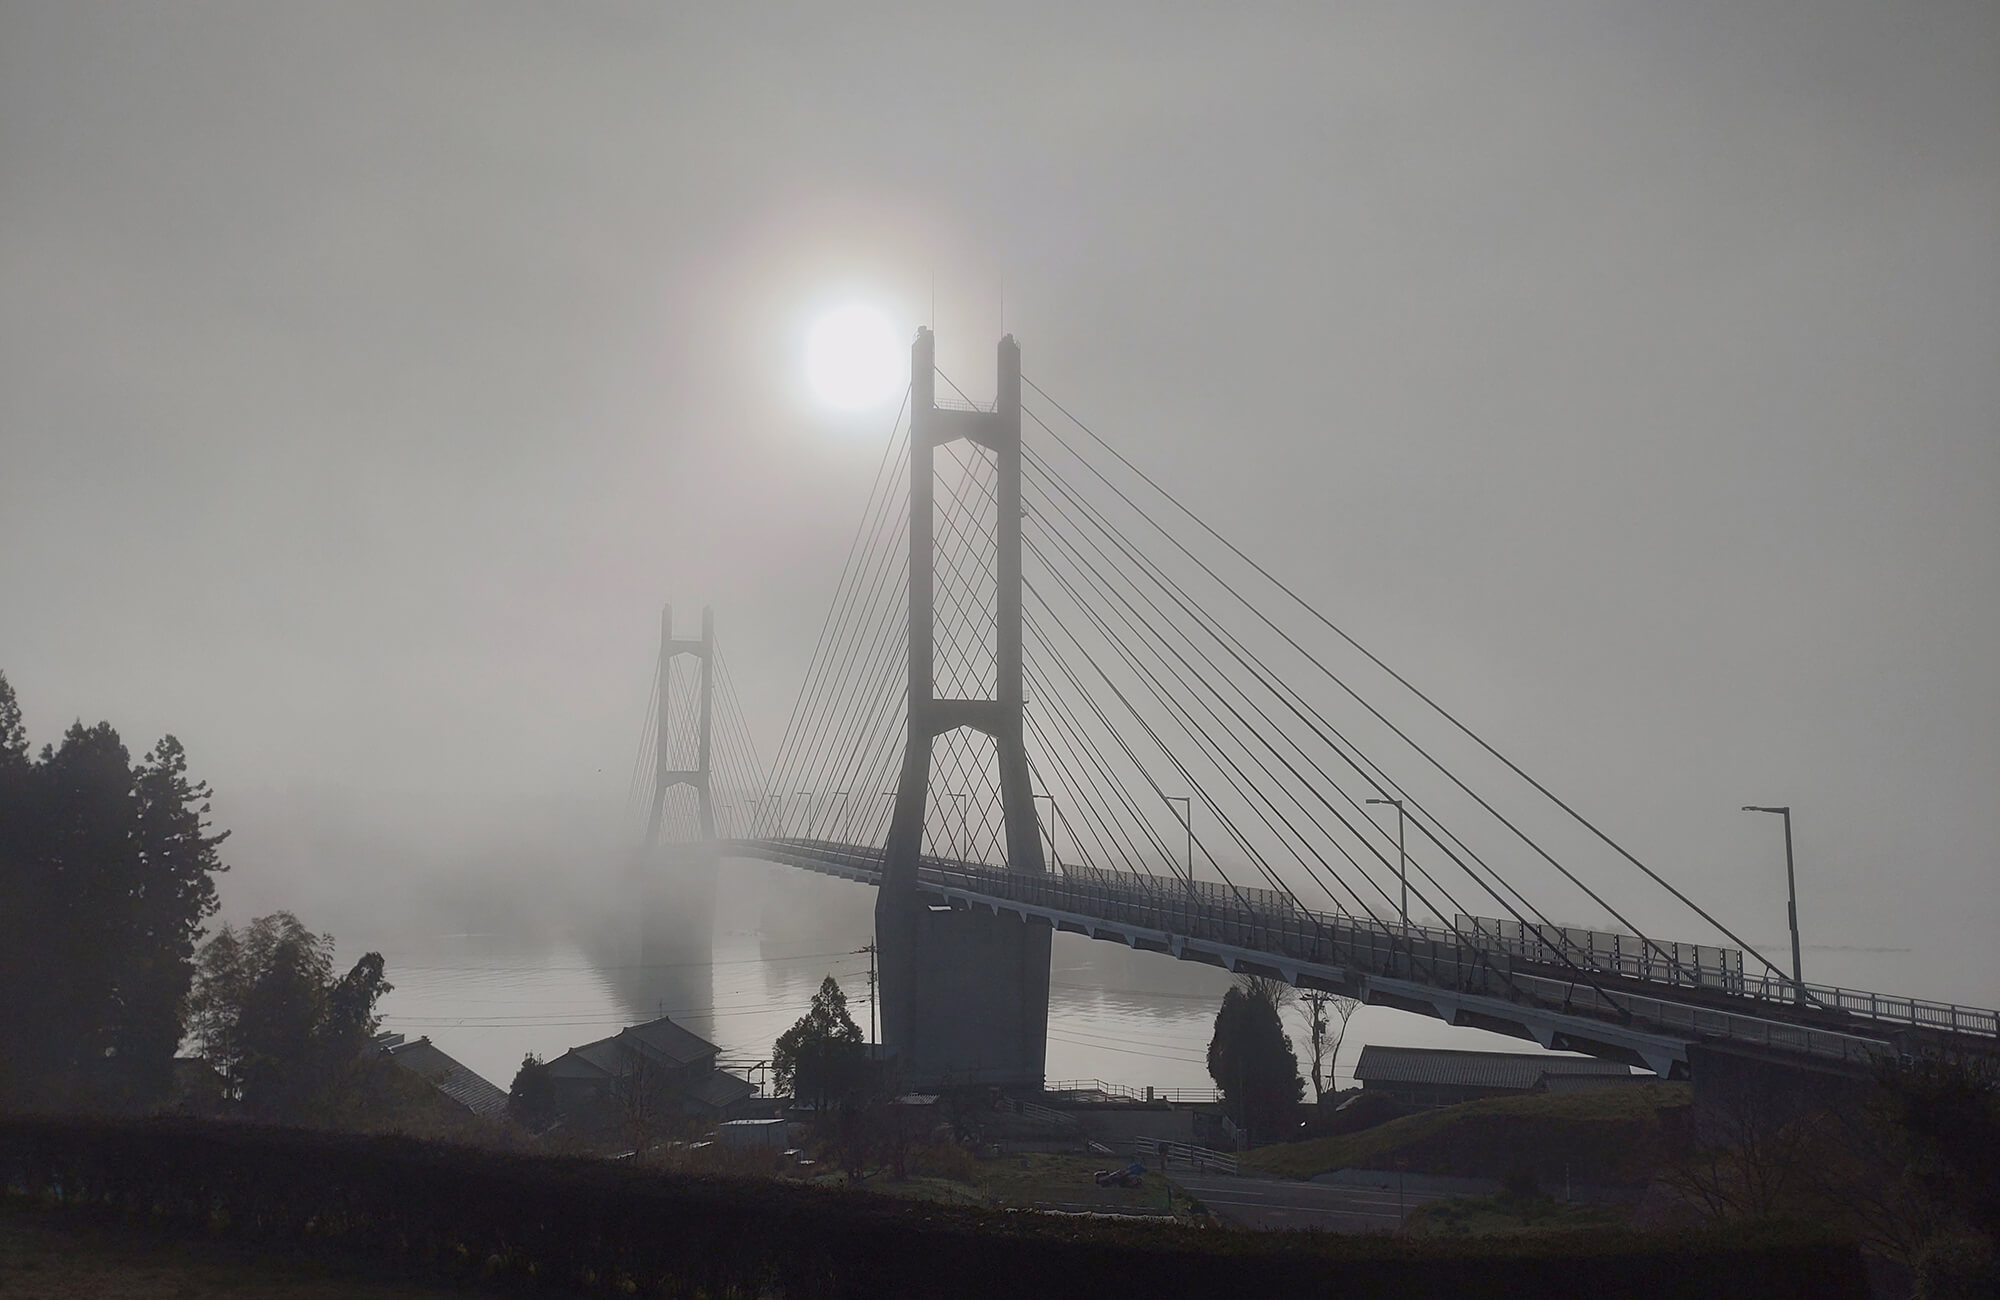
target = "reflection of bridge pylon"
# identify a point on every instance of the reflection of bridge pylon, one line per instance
(675, 881)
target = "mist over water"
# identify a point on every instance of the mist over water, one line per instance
(1123, 1016)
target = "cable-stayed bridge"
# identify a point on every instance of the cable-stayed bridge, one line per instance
(1048, 696)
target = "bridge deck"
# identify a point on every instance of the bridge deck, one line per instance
(1609, 995)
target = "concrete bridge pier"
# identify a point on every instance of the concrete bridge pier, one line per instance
(964, 992)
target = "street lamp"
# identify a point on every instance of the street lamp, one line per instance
(1055, 858)
(1402, 856)
(1791, 898)
(1187, 820)
(964, 834)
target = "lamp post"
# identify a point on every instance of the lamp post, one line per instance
(1055, 860)
(959, 847)
(1791, 898)
(1402, 856)
(1187, 820)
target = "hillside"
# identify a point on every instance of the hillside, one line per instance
(1603, 1135)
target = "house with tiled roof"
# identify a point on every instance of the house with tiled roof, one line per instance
(654, 1070)
(456, 1084)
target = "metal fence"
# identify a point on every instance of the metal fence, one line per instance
(1085, 1089)
(1201, 1159)
(1481, 955)
(1677, 965)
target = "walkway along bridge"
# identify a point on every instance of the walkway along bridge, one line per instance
(1081, 661)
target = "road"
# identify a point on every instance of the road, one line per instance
(1284, 1203)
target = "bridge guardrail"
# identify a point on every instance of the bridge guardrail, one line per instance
(1126, 1092)
(1441, 959)
(1715, 969)
(1708, 1022)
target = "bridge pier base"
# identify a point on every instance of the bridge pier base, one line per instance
(965, 994)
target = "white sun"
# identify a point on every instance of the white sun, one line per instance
(854, 359)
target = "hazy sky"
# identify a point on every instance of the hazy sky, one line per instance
(1630, 374)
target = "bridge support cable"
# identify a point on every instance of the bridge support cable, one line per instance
(1190, 683)
(642, 762)
(1064, 716)
(1315, 722)
(1106, 564)
(741, 774)
(1247, 789)
(1437, 708)
(833, 774)
(1669, 957)
(1243, 787)
(845, 679)
(1064, 722)
(880, 497)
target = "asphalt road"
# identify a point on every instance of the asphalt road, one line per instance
(1283, 1203)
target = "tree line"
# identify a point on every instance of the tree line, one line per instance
(107, 883)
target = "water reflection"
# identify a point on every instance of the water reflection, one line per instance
(736, 949)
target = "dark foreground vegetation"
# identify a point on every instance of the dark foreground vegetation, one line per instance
(516, 1223)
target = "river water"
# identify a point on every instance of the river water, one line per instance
(488, 999)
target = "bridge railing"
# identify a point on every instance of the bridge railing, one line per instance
(1700, 966)
(1268, 923)
(1888, 1008)
(1694, 1021)
(1087, 1088)
(1655, 961)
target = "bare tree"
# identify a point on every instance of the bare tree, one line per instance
(1323, 1037)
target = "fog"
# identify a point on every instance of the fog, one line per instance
(1627, 375)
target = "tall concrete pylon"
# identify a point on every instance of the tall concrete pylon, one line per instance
(666, 777)
(965, 994)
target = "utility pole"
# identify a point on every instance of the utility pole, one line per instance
(1402, 856)
(1791, 899)
(870, 950)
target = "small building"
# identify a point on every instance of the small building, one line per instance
(654, 1070)
(755, 1134)
(1425, 1076)
(457, 1085)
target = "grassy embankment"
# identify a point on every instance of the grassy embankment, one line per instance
(1608, 1136)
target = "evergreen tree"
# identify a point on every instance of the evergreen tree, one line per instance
(105, 880)
(531, 1102)
(821, 1058)
(1251, 1060)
